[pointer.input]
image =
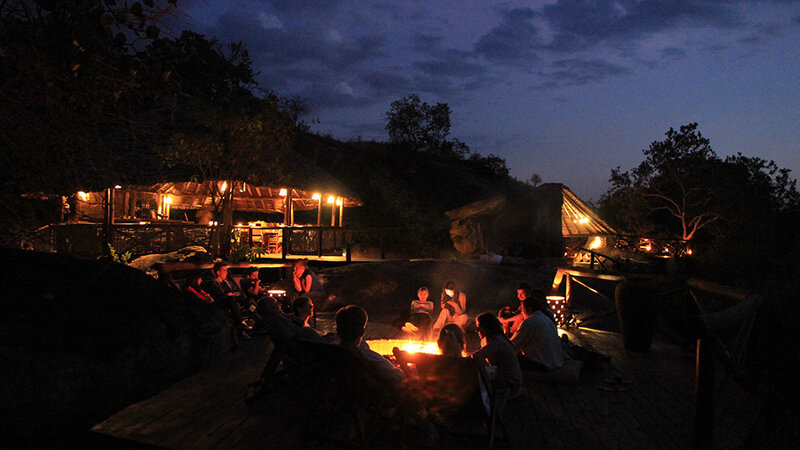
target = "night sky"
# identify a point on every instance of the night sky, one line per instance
(567, 89)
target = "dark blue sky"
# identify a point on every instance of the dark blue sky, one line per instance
(567, 89)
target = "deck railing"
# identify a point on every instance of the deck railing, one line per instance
(90, 239)
(721, 325)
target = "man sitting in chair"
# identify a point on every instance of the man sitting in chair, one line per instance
(351, 322)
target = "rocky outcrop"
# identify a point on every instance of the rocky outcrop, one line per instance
(526, 226)
(81, 339)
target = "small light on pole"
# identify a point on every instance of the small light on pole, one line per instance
(318, 197)
(340, 204)
(332, 202)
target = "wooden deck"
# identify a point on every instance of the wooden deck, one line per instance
(656, 410)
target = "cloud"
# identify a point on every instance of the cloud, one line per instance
(762, 33)
(578, 24)
(578, 72)
(673, 53)
(513, 41)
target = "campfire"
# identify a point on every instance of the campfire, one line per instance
(385, 346)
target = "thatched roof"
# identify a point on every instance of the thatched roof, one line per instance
(578, 219)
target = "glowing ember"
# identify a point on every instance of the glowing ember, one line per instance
(385, 346)
(276, 292)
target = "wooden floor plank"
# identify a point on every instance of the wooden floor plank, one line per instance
(655, 411)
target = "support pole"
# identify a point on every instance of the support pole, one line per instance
(704, 394)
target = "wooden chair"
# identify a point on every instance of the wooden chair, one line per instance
(455, 387)
(384, 414)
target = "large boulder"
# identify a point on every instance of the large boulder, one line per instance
(81, 339)
(527, 225)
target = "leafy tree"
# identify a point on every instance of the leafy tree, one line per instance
(672, 186)
(682, 187)
(77, 97)
(535, 180)
(221, 131)
(422, 126)
(80, 100)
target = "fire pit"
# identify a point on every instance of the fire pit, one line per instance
(385, 346)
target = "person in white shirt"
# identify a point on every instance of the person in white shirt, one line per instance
(537, 339)
(454, 305)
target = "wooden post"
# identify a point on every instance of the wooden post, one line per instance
(704, 394)
(108, 219)
(284, 241)
(319, 241)
(568, 290)
(348, 247)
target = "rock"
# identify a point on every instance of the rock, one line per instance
(192, 253)
(81, 339)
(527, 226)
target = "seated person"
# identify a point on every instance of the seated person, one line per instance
(303, 308)
(510, 316)
(306, 283)
(453, 304)
(225, 295)
(305, 280)
(452, 341)
(537, 339)
(195, 289)
(419, 320)
(498, 352)
(351, 322)
(251, 285)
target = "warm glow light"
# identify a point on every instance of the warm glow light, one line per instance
(385, 346)
(239, 225)
(584, 220)
(689, 251)
(559, 306)
(142, 223)
(83, 195)
(283, 192)
(596, 243)
(331, 199)
(117, 187)
(224, 186)
(276, 292)
(339, 201)
(316, 196)
(168, 200)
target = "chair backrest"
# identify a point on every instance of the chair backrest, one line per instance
(446, 383)
(350, 371)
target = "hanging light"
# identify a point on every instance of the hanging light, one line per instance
(331, 199)
(316, 196)
(283, 192)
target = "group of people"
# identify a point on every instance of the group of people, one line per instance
(240, 301)
(516, 339)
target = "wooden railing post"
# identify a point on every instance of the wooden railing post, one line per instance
(285, 237)
(348, 248)
(704, 394)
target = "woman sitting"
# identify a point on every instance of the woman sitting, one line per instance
(195, 289)
(497, 351)
(419, 319)
(453, 304)
(452, 341)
